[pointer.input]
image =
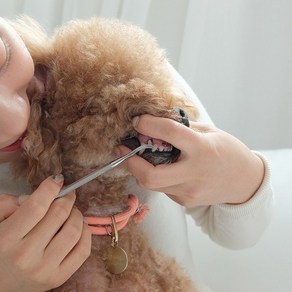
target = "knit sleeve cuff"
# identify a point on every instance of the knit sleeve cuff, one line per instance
(259, 200)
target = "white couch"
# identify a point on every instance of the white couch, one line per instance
(266, 267)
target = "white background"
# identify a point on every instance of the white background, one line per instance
(237, 57)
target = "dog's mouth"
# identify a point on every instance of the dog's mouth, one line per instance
(162, 152)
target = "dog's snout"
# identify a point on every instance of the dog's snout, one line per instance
(183, 116)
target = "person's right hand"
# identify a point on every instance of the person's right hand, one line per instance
(42, 241)
(213, 168)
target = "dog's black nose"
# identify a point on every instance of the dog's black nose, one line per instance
(183, 116)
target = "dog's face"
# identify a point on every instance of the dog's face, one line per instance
(90, 81)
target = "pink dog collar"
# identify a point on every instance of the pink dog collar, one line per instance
(103, 225)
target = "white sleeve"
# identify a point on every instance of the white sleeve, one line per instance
(238, 226)
(232, 226)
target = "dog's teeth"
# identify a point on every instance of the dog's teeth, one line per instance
(168, 149)
(149, 142)
(141, 151)
(154, 148)
(161, 148)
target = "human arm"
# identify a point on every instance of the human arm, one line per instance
(213, 168)
(227, 192)
(238, 226)
(42, 242)
(224, 185)
(253, 216)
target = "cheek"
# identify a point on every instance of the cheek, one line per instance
(3, 55)
(14, 115)
(21, 115)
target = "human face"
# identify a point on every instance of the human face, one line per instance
(16, 71)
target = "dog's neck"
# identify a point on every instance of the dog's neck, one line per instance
(102, 197)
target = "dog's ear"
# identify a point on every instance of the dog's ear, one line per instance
(40, 149)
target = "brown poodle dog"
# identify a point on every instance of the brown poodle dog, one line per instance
(91, 78)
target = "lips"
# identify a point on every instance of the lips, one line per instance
(14, 146)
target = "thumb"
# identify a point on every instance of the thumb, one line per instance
(8, 205)
(202, 127)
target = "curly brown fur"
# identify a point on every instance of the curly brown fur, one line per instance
(98, 74)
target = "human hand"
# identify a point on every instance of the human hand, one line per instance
(214, 167)
(42, 241)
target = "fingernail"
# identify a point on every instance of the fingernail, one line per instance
(135, 121)
(58, 178)
(21, 199)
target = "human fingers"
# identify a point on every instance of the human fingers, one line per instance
(49, 225)
(33, 209)
(159, 176)
(200, 127)
(187, 195)
(65, 240)
(165, 129)
(8, 205)
(169, 130)
(76, 257)
(185, 201)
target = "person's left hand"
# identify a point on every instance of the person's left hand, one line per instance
(8, 205)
